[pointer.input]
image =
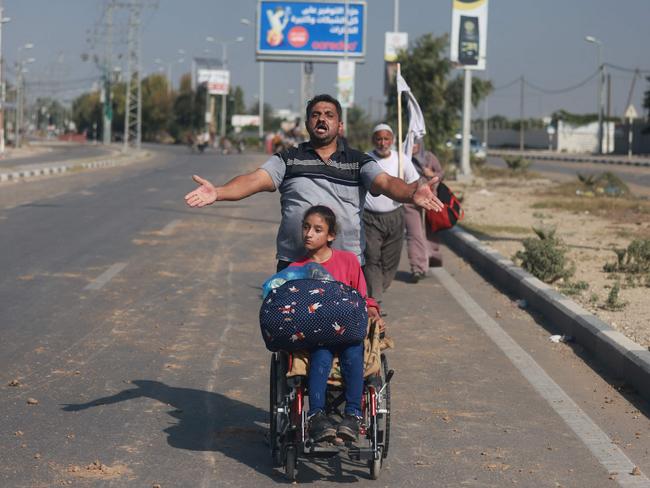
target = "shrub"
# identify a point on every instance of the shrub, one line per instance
(545, 257)
(634, 261)
(613, 302)
(517, 163)
(574, 288)
(607, 184)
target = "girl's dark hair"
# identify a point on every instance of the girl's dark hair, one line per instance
(328, 216)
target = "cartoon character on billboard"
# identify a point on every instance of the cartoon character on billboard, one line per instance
(278, 20)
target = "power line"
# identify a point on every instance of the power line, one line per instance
(563, 90)
(507, 85)
(628, 70)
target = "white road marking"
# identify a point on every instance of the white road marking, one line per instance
(600, 445)
(208, 454)
(169, 228)
(105, 277)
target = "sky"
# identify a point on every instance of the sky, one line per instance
(542, 40)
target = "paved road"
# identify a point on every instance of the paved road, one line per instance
(636, 177)
(55, 153)
(132, 320)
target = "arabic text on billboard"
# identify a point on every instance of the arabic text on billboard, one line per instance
(309, 29)
(218, 80)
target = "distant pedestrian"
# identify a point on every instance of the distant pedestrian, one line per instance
(422, 245)
(383, 218)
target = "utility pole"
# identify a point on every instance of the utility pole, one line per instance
(133, 111)
(465, 167)
(108, 73)
(608, 111)
(307, 85)
(2, 84)
(521, 114)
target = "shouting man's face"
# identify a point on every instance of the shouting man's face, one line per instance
(323, 124)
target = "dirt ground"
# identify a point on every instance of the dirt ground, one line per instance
(502, 210)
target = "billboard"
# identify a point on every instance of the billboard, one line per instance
(218, 80)
(394, 43)
(469, 33)
(310, 31)
(345, 83)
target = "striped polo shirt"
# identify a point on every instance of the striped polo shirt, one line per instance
(340, 183)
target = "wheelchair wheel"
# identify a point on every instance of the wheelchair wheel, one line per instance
(383, 421)
(277, 386)
(375, 466)
(290, 464)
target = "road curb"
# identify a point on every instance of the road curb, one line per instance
(572, 159)
(622, 357)
(69, 166)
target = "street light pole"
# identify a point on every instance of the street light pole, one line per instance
(3, 20)
(20, 92)
(260, 99)
(599, 97)
(224, 96)
(224, 63)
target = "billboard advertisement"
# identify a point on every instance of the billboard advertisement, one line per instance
(345, 83)
(218, 80)
(394, 43)
(310, 31)
(469, 33)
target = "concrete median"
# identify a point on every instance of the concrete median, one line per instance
(621, 357)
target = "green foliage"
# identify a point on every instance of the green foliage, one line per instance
(573, 119)
(572, 288)
(163, 112)
(633, 261)
(587, 180)
(427, 69)
(545, 257)
(517, 163)
(156, 107)
(359, 128)
(86, 111)
(613, 302)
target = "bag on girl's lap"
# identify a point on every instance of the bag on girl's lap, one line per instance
(306, 313)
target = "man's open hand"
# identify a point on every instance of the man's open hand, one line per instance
(206, 194)
(425, 196)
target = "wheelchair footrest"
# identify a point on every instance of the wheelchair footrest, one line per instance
(361, 454)
(317, 450)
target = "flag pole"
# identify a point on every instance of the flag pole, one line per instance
(400, 166)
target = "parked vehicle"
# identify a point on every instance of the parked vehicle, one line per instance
(476, 148)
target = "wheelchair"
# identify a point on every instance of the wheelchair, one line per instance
(288, 432)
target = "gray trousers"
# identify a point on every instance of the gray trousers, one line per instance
(422, 245)
(384, 237)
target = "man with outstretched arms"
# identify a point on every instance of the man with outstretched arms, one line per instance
(321, 171)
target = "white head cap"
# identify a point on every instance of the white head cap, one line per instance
(379, 127)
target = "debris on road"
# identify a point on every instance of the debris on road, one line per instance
(560, 338)
(13, 383)
(32, 401)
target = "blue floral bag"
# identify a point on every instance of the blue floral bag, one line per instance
(307, 313)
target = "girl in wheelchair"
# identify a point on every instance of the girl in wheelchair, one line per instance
(319, 232)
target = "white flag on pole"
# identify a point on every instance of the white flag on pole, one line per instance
(416, 130)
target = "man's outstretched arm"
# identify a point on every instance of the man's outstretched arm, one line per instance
(238, 188)
(400, 191)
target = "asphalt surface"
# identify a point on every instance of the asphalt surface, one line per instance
(53, 154)
(132, 321)
(636, 177)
